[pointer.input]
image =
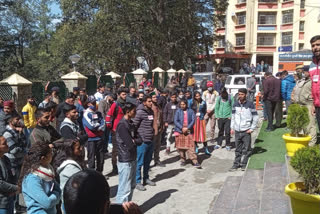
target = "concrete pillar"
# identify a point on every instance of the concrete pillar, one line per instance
(74, 79)
(138, 74)
(171, 72)
(161, 76)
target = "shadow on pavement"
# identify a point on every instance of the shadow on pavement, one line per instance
(158, 198)
(167, 175)
(171, 160)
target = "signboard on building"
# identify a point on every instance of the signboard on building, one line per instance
(285, 49)
(296, 57)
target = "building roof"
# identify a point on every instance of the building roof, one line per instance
(74, 75)
(158, 69)
(171, 70)
(139, 71)
(113, 75)
(16, 79)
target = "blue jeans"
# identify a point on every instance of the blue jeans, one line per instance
(10, 207)
(144, 157)
(127, 181)
(27, 133)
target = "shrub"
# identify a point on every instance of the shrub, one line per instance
(298, 119)
(306, 162)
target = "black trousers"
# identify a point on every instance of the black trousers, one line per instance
(243, 148)
(224, 129)
(318, 116)
(96, 154)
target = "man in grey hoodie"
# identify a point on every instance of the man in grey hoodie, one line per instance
(144, 124)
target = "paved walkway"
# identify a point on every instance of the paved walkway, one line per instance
(186, 189)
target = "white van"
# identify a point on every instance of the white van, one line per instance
(235, 82)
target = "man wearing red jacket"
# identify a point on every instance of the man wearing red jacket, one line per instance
(114, 115)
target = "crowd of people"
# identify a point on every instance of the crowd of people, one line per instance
(42, 152)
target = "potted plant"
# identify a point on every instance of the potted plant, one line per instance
(297, 122)
(305, 196)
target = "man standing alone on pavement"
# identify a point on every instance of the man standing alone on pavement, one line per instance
(251, 87)
(271, 96)
(144, 123)
(244, 120)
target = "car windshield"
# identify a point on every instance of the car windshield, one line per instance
(228, 81)
(199, 78)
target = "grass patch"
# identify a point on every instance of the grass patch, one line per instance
(269, 147)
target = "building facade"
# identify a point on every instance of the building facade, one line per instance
(266, 29)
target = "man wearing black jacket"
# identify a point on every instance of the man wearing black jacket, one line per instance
(69, 128)
(69, 101)
(168, 115)
(127, 140)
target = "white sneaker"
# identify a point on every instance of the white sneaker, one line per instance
(110, 146)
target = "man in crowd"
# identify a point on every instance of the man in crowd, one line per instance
(69, 101)
(251, 87)
(6, 114)
(1, 104)
(209, 96)
(17, 144)
(145, 82)
(94, 126)
(243, 110)
(69, 128)
(162, 100)
(144, 123)
(168, 119)
(28, 116)
(271, 96)
(158, 129)
(55, 94)
(315, 76)
(287, 85)
(218, 85)
(183, 81)
(191, 83)
(43, 132)
(114, 115)
(189, 98)
(47, 98)
(99, 95)
(132, 96)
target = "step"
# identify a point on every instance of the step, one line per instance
(248, 197)
(226, 199)
(293, 175)
(273, 198)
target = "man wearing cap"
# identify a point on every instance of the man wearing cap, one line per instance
(6, 114)
(94, 126)
(251, 87)
(302, 95)
(69, 101)
(28, 116)
(209, 96)
(243, 110)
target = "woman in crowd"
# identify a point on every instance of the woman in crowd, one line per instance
(184, 120)
(199, 107)
(69, 159)
(40, 190)
(8, 189)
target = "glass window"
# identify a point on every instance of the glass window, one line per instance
(274, 1)
(266, 39)
(302, 4)
(267, 18)
(228, 81)
(239, 81)
(287, 16)
(242, 1)
(301, 26)
(301, 45)
(286, 38)
(221, 42)
(240, 39)
(241, 18)
(221, 23)
(287, 0)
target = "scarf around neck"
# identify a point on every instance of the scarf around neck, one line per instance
(45, 173)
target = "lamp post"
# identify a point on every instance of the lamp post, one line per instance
(171, 72)
(74, 59)
(140, 60)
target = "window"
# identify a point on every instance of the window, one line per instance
(302, 4)
(268, 1)
(287, 0)
(241, 18)
(222, 22)
(239, 81)
(242, 1)
(301, 26)
(240, 39)
(266, 39)
(286, 38)
(287, 16)
(221, 42)
(301, 45)
(267, 18)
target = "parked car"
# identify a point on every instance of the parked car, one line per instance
(234, 82)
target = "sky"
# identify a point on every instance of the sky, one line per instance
(55, 9)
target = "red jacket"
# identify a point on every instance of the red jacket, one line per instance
(114, 115)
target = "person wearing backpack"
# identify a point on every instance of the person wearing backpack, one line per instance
(223, 113)
(114, 115)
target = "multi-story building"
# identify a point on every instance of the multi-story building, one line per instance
(256, 30)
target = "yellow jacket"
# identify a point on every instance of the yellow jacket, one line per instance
(29, 118)
(191, 81)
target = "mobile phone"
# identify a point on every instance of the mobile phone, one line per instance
(116, 208)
